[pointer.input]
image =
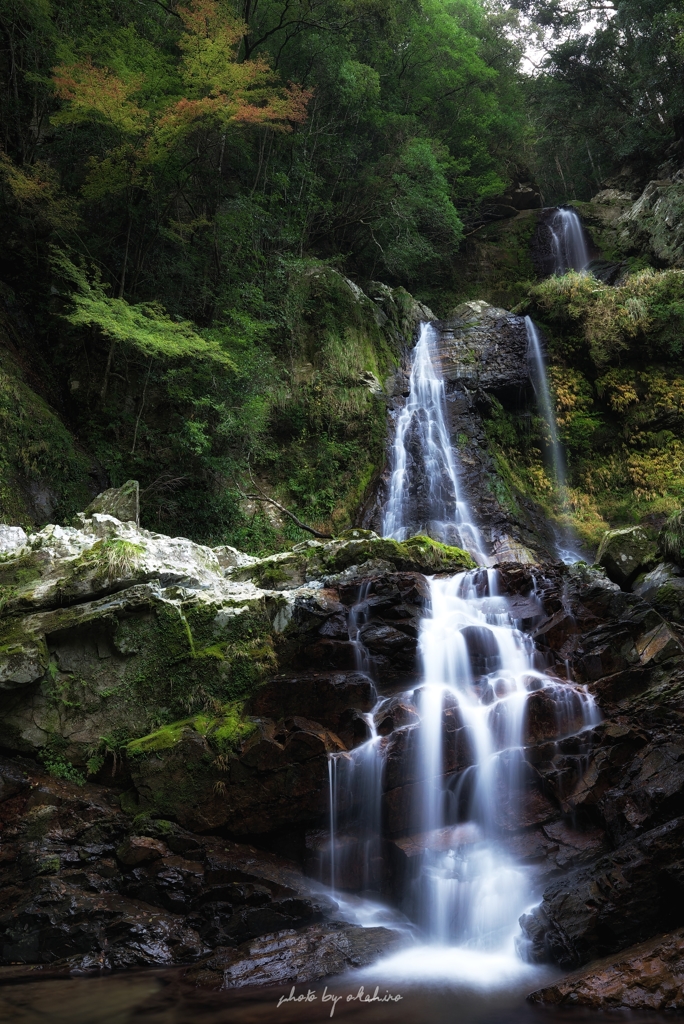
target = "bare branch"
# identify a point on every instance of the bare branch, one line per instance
(261, 496)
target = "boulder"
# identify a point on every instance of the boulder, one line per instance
(656, 222)
(12, 538)
(123, 503)
(296, 957)
(484, 347)
(626, 897)
(81, 881)
(648, 976)
(278, 777)
(325, 695)
(625, 553)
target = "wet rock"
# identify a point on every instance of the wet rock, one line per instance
(484, 346)
(79, 881)
(140, 849)
(395, 713)
(553, 712)
(61, 920)
(627, 896)
(353, 729)
(663, 587)
(187, 782)
(296, 957)
(649, 976)
(326, 696)
(625, 553)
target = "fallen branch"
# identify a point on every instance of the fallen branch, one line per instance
(271, 501)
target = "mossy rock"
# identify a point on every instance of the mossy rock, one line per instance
(626, 553)
(311, 561)
(224, 732)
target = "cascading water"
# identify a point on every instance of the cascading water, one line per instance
(466, 756)
(566, 550)
(568, 243)
(424, 495)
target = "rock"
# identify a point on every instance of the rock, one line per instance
(624, 898)
(313, 560)
(231, 558)
(649, 976)
(140, 849)
(279, 778)
(80, 881)
(123, 503)
(483, 346)
(296, 957)
(12, 538)
(654, 222)
(325, 695)
(625, 553)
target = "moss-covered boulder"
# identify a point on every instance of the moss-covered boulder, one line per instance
(121, 502)
(231, 773)
(314, 559)
(627, 552)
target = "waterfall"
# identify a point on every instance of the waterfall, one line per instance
(465, 782)
(424, 493)
(467, 889)
(568, 243)
(540, 384)
(566, 547)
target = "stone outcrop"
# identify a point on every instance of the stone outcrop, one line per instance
(627, 224)
(622, 782)
(109, 629)
(296, 957)
(482, 354)
(625, 553)
(82, 881)
(649, 976)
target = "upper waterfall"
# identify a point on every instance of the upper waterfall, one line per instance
(425, 495)
(568, 242)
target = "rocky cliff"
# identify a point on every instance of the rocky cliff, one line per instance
(167, 714)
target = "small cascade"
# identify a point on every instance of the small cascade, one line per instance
(355, 782)
(568, 241)
(479, 673)
(424, 495)
(540, 382)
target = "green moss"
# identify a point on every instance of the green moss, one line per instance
(224, 732)
(161, 739)
(16, 577)
(671, 539)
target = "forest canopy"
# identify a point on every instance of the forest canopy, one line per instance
(183, 183)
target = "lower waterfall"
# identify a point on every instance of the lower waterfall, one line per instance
(456, 742)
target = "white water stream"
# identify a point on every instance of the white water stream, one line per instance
(566, 546)
(462, 887)
(568, 243)
(425, 494)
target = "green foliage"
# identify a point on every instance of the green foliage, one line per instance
(645, 314)
(671, 539)
(57, 765)
(609, 97)
(224, 732)
(37, 453)
(144, 326)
